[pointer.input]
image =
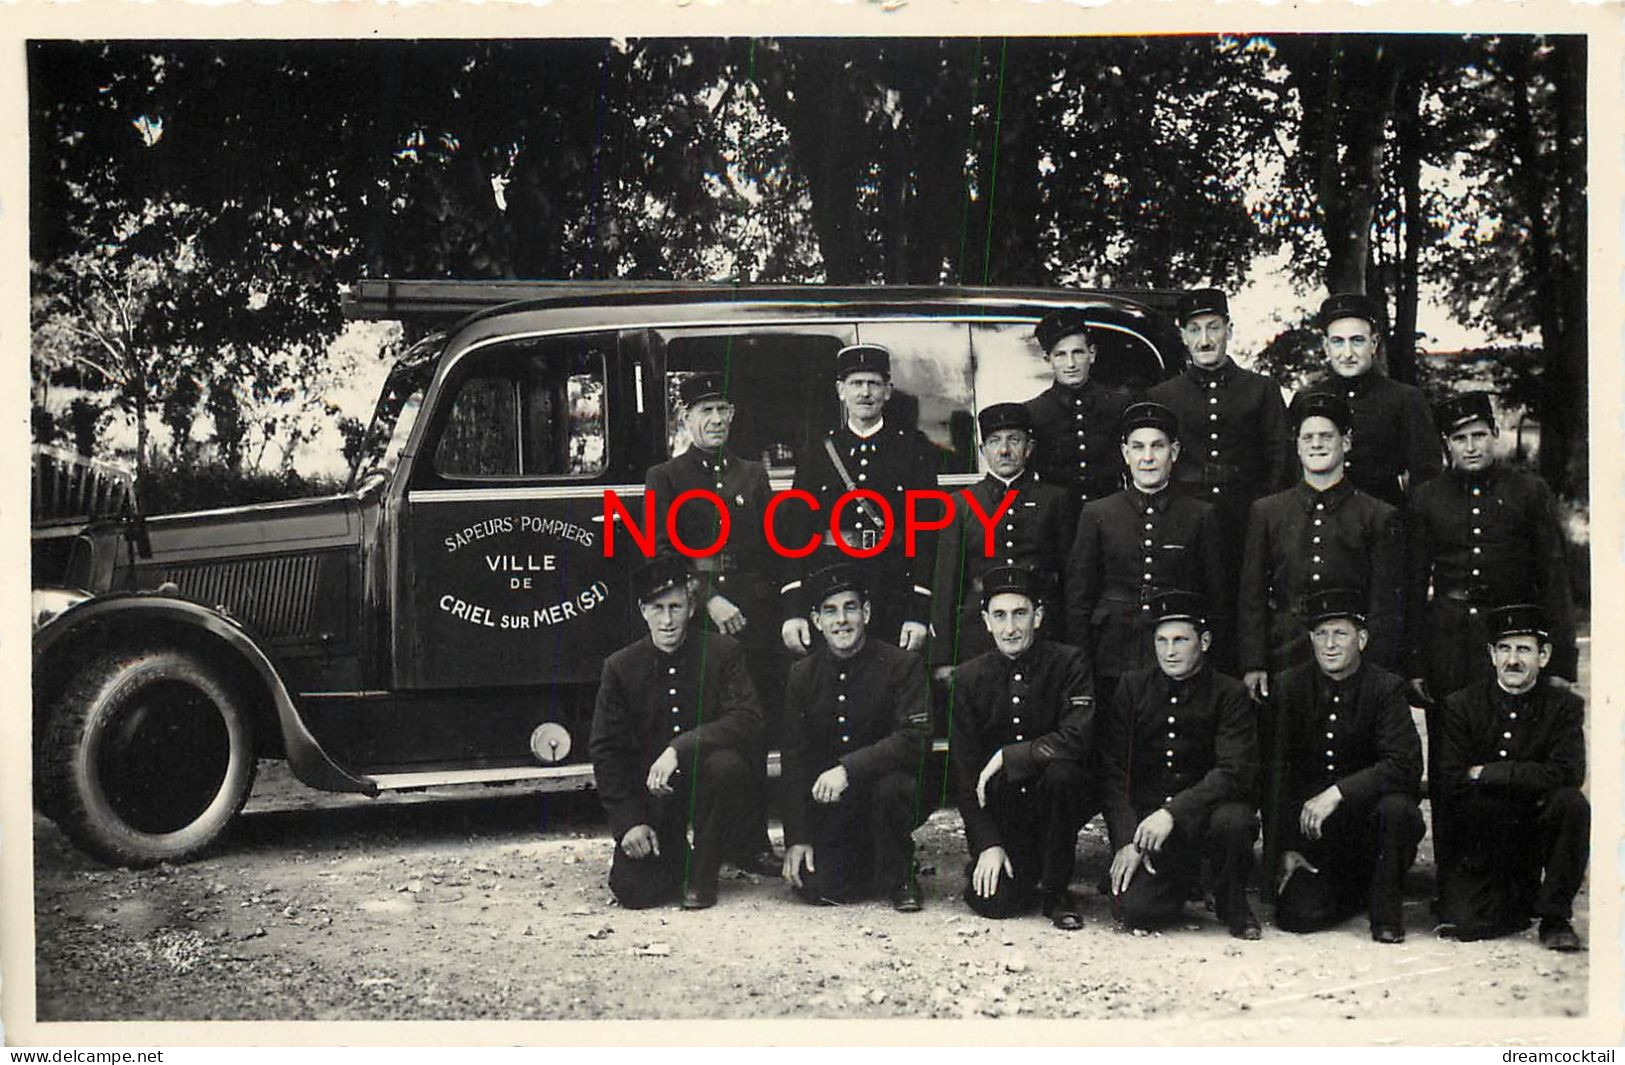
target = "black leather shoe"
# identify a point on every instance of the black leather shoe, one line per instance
(908, 898)
(1063, 910)
(1388, 933)
(1247, 926)
(699, 896)
(1558, 934)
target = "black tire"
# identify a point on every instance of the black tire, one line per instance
(147, 756)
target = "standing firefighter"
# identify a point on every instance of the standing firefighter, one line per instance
(1395, 448)
(1511, 762)
(1020, 727)
(857, 726)
(1033, 533)
(1178, 753)
(1340, 797)
(1321, 533)
(675, 718)
(1235, 447)
(1076, 418)
(863, 453)
(736, 594)
(1136, 544)
(1480, 535)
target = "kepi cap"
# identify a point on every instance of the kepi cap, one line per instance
(855, 358)
(832, 580)
(1006, 580)
(1202, 301)
(1317, 404)
(1146, 414)
(1518, 619)
(1057, 325)
(1350, 305)
(1458, 410)
(1177, 605)
(659, 576)
(1334, 603)
(1004, 416)
(701, 386)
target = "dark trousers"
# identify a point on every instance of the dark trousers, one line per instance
(1362, 854)
(1225, 838)
(1038, 821)
(1518, 858)
(863, 843)
(714, 804)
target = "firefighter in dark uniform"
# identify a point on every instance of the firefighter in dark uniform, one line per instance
(1323, 532)
(1395, 448)
(864, 452)
(1512, 758)
(1076, 419)
(675, 717)
(857, 728)
(1178, 755)
(1032, 533)
(1136, 544)
(1021, 722)
(1341, 821)
(1479, 535)
(1235, 436)
(736, 593)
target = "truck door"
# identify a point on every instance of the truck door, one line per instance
(501, 579)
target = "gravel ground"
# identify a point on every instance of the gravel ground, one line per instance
(492, 904)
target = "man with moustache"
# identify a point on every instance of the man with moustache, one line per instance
(735, 586)
(1178, 754)
(1076, 419)
(674, 718)
(1321, 533)
(857, 728)
(1395, 448)
(891, 460)
(1234, 421)
(1511, 762)
(1033, 534)
(1021, 719)
(1480, 535)
(1136, 544)
(1340, 799)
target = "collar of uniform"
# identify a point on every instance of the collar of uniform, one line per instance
(1185, 685)
(1358, 385)
(1325, 686)
(1485, 478)
(1026, 661)
(1505, 700)
(1159, 501)
(870, 435)
(1018, 482)
(1333, 497)
(866, 652)
(711, 461)
(677, 657)
(1082, 396)
(1220, 374)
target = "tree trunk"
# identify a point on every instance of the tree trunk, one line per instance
(1408, 165)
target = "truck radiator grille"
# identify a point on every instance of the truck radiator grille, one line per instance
(276, 596)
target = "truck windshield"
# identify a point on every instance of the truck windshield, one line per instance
(397, 409)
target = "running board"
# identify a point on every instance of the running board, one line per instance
(574, 777)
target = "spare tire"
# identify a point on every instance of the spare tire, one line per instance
(147, 756)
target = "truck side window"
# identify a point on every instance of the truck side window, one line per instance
(532, 408)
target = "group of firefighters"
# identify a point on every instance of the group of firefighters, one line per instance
(1203, 610)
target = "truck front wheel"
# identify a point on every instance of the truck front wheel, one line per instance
(148, 756)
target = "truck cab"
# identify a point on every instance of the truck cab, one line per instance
(445, 619)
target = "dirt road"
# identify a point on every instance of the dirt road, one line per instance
(493, 905)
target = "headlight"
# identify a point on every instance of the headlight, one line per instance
(49, 602)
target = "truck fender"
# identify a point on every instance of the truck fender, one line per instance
(306, 756)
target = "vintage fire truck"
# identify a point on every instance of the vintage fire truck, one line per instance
(444, 620)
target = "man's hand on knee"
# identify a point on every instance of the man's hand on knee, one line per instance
(640, 841)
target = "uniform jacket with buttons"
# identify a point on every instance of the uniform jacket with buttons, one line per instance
(1356, 733)
(745, 565)
(1033, 533)
(1306, 540)
(1129, 548)
(1528, 744)
(696, 700)
(891, 461)
(1234, 444)
(870, 713)
(1077, 434)
(1038, 708)
(1189, 745)
(1393, 434)
(1486, 540)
